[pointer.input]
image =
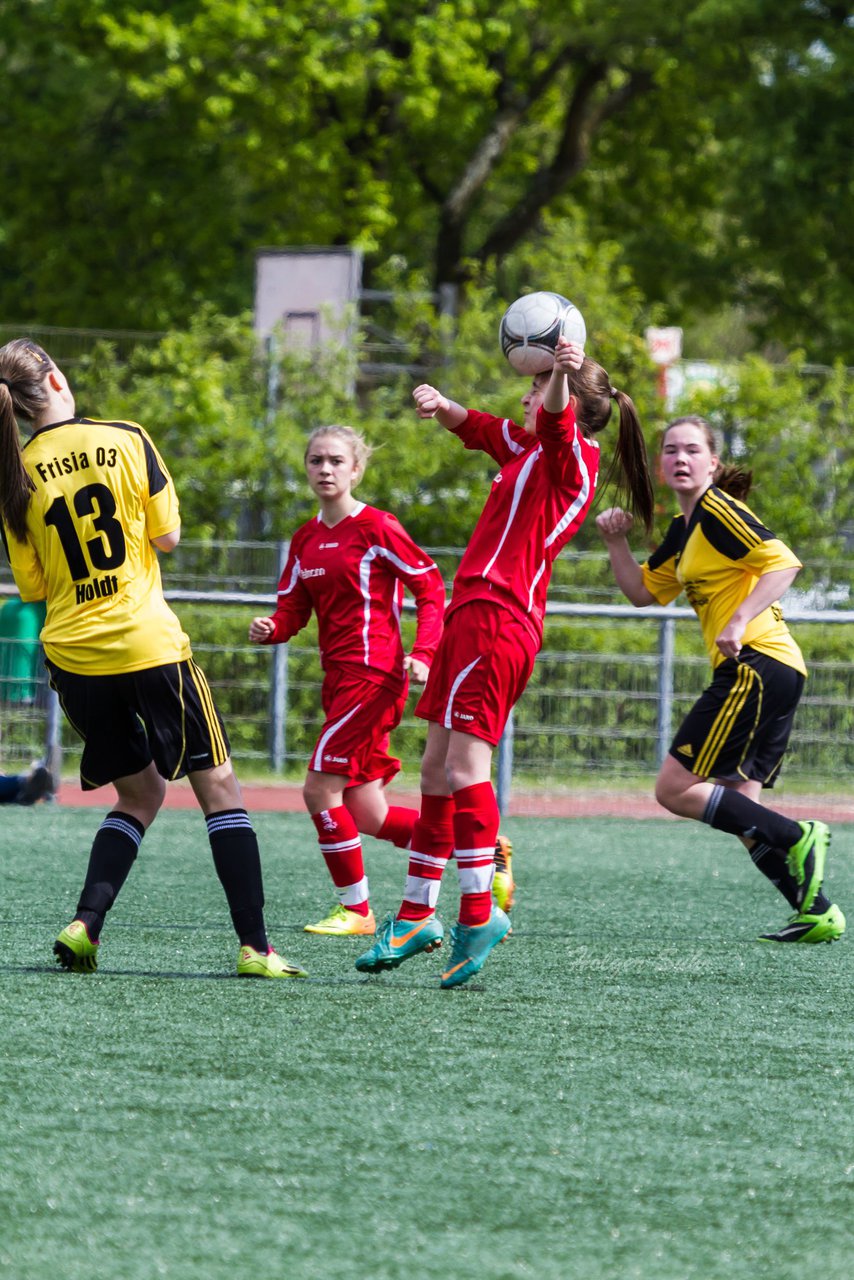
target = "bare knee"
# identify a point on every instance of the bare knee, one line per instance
(322, 791)
(141, 795)
(680, 791)
(665, 794)
(434, 779)
(367, 806)
(468, 762)
(216, 789)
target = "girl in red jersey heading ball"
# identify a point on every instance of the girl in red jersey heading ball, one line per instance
(349, 565)
(493, 631)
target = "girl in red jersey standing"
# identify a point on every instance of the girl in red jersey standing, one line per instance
(494, 627)
(349, 566)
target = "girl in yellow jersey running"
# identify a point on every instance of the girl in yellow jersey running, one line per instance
(83, 506)
(731, 744)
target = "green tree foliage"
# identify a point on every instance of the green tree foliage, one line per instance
(150, 151)
(791, 426)
(231, 419)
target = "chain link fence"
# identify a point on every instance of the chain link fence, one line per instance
(609, 686)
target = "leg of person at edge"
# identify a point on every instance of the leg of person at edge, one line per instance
(27, 788)
(493, 631)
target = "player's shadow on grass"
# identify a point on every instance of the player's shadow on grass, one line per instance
(295, 984)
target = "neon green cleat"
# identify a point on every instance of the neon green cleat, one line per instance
(806, 861)
(397, 940)
(803, 927)
(503, 885)
(472, 945)
(260, 964)
(75, 950)
(342, 921)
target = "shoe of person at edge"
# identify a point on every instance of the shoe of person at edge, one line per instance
(471, 947)
(75, 950)
(266, 964)
(804, 926)
(806, 861)
(503, 885)
(397, 940)
(37, 785)
(343, 922)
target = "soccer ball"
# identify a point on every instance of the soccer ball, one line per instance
(531, 326)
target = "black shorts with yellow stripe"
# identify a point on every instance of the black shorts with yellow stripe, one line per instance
(739, 728)
(166, 714)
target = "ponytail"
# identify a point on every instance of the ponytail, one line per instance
(23, 369)
(629, 468)
(734, 480)
(630, 457)
(15, 484)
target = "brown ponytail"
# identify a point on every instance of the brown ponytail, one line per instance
(629, 467)
(23, 369)
(734, 480)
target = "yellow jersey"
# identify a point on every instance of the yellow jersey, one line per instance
(716, 560)
(101, 494)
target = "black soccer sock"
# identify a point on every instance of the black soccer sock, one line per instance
(114, 851)
(234, 846)
(729, 810)
(772, 863)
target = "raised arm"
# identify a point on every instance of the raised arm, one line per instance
(568, 355)
(614, 525)
(430, 403)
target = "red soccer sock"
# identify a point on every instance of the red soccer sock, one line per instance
(476, 821)
(431, 847)
(398, 826)
(341, 847)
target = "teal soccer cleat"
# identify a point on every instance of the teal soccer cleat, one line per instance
(472, 945)
(397, 940)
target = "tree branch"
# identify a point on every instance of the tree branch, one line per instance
(584, 116)
(493, 146)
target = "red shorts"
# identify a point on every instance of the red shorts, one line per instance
(483, 663)
(360, 716)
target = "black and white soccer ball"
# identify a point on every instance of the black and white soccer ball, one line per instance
(531, 326)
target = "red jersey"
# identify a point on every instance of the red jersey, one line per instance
(538, 501)
(352, 576)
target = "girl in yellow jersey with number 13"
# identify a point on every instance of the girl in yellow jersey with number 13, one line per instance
(84, 504)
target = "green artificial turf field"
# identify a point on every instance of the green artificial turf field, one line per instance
(632, 1088)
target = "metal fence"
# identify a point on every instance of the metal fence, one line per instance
(609, 686)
